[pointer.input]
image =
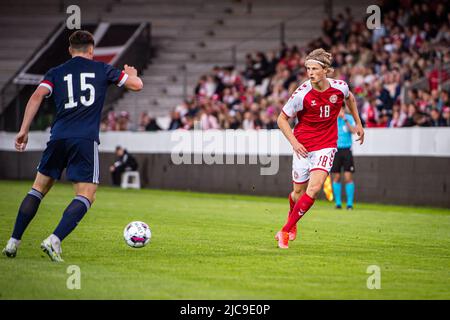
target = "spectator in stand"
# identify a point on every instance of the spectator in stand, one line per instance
(446, 116)
(436, 76)
(384, 119)
(152, 125)
(260, 68)
(208, 120)
(370, 114)
(436, 119)
(123, 122)
(112, 123)
(248, 122)
(188, 123)
(143, 121)
(175, 121)
(104, 125)
(396, 121)
(148, 123)
(410, 116)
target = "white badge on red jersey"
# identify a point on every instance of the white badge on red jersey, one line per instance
(333, 98)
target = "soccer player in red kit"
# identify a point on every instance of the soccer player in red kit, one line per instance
(316, 104)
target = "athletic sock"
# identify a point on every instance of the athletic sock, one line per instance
(72, 216)
(291, 204)
(337, 190)
(27, 211)
(350, 192)
(301, 207)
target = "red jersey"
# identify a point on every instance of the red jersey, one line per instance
(317, 113)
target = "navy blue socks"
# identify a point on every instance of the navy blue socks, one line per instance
(72, 216)
(27, 211)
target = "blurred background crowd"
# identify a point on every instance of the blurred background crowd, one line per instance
(399, 74)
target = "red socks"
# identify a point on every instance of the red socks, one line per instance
(291, 204)
(301, 207)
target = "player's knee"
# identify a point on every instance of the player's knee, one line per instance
(296, 194)
(41, 188)
(313, 191)
(89, 196)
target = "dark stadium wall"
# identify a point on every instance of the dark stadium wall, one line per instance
(406, 180)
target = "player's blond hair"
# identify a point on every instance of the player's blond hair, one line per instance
(321, 56)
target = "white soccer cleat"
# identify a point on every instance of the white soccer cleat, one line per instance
(52, 247)
(11, 248)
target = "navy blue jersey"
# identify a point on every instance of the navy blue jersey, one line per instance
(79, 88)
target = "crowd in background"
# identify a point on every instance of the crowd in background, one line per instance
(379, 65)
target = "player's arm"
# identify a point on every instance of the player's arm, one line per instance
(283, 124)
(351, 104)
(30, 111)
(133, 82)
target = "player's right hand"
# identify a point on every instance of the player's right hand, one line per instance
(130, 70)
(299, 149)
(359, 130)
(21, 141)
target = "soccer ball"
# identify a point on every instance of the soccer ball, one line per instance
(137, 234)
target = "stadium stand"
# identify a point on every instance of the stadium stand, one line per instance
(399, 91)
(194, 36)
(380, 84)
(196, 40)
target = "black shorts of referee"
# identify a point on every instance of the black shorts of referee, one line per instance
(343, 159)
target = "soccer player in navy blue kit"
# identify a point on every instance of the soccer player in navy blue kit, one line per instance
(78, 88)
(343, 160)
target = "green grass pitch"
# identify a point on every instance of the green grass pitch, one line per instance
(212, 246)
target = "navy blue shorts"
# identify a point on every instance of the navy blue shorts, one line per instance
(78, 156)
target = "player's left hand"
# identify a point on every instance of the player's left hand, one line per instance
(21, 141)
(130, 70)
(360, 132)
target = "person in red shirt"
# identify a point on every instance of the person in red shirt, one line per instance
(316, 104)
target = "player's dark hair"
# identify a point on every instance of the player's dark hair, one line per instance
(81, 40)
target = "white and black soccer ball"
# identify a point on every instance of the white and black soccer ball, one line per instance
(137, 234)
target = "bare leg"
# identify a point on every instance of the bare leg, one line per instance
(298, 190)
(316, 181)
(43, 183)
(86, 190)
